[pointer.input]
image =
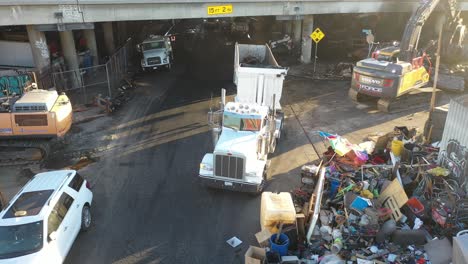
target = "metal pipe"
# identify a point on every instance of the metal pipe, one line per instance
(318, 201)
(223, 98)
(436, 74)
(108, 80)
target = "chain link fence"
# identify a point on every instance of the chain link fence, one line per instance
(85, 84)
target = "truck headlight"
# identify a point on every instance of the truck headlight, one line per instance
(205, 166)
(165, 60)
(143, 62)
(251, 174)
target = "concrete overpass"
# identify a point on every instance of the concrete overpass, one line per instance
(33, 12)
(68, 15)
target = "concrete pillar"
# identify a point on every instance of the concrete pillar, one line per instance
(307, 29)
(90, 37)
(69, 50)
(123, 32)
(71, 58)
(40, 51)
(297, 32)
(108, 37)
(287, 27)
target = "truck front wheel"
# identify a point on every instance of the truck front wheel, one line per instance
(264, 182)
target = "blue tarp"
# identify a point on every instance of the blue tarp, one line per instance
(13, 84)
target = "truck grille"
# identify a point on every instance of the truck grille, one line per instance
(229, 166)
(154, 60)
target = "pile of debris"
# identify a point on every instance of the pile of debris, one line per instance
(123, 96)
(453, 77)
(324, 71)
(256, 62)
(383, 201)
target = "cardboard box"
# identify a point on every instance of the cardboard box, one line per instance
(396, 191)
(381, 139)
(263, 237)
(255, 255)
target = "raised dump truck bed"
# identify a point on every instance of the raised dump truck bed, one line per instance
(258, 75)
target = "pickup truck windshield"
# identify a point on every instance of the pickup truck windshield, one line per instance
(242, 124)
(20, 240)
(153, 45)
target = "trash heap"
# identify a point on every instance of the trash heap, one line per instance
(383, 201)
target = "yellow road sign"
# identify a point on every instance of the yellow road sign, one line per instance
(222, 9)
(317, 35)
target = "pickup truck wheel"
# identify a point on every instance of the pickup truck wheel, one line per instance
(86, 218)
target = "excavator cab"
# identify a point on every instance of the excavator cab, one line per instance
(389, 54)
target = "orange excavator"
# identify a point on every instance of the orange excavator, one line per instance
(29, 118)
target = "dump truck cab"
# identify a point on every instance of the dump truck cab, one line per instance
(156, 52)
(237, 162)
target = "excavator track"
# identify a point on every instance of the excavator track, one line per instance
(414, 100)
(361, 98)
(14, 152)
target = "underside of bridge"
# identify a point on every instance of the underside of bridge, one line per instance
(58, 34)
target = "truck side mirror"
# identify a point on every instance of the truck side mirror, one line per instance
(138, 47)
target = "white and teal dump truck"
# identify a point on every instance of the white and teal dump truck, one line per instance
(247, 130)
(156, 53)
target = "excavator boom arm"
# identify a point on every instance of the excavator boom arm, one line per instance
(409, 42)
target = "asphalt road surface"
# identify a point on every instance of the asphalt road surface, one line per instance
(148, 206)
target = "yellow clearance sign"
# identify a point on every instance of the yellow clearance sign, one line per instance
(222, 9)
(317, 35)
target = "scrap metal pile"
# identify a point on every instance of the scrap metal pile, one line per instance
(123, 96)
(383, 201)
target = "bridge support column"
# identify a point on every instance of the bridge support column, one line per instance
(109, 37)
(307, 29)
(287, 27)
(90, 37)
(40, 50)
(71, 58)
(122, 32)
(297, 32)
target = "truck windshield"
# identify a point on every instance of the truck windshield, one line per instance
(20, 240)
(242, 124)
(153, 45)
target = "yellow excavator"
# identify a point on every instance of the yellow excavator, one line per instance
(396, 70)
(28, 120)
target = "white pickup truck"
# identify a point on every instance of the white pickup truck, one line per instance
(247, 130)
